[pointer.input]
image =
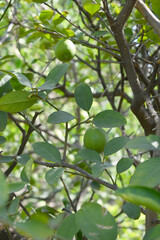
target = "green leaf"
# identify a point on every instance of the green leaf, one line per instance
(132, 210)
(2, 139)
(58, 17)
(143, 142)
(37, 227)
(6, 159)
(23, 159)
(98, 168)
(114, 145)
(54, 76)
(3, 120)
(21, 78)
(16, 84)
(109, 119)
(95, 224)
(3, 190)
(5, 85)
(144, 196)
(13, 207)
(47, 151)
(83, 96)
(17, 101)
(68, 228)
(147, 173)
(90, 155)
(27, 171)
(153, 233)
(60, 117)
(156, 6)
(16, 186)
(124, 164)
(53, 175)
(91, 6)
(45, 15)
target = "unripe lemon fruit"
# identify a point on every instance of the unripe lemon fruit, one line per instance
(65, 50)
(95, 139)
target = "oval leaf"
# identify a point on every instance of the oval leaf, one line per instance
(54, 76)
(3, 189)
(147, 173)
(141, 142)
(109, 119)
(2, 139)
(6, 159)
(27, 171)
(17, 101)
(114, 145)
(83, 96)
(141, 196)
(3, 120)
(16, 186)
(90, 155)
(53, 175)
(47, 151)
(95, 224)
(132, 210)
(60, 117)
(124, 164)
(65, 231)
(91, 7)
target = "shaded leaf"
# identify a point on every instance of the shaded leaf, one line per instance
(23, 159)
(58, 18)
(124, 164)
(17, 101)
(6, 159)
(27, 171)
(65, 231)
(53, 175)
(132, 210)
(153, 233)
(83, 96)
(16, 186)
(3, 120)
(2, 139)
(3, 190)
(13, 207)
(47, 151)
(60, 117)
(90, 155)
(95, 224)
(144, 196)
(141, 142)
(109, 119)
(114, 145)
(54, 76)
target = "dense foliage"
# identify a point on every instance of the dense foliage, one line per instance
(51, 185)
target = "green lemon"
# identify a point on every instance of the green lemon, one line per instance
(95, 138)
(65, 50)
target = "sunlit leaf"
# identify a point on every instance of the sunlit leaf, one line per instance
(144, 196)
(17, 101)
(147, 173)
